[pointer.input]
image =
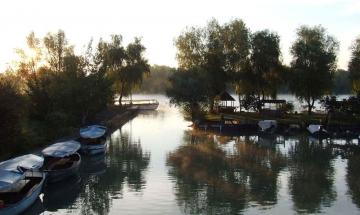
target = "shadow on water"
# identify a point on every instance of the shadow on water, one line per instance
(353, 178)
(102, 178)
(213, 180)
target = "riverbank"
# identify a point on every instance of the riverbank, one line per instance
(248, 122)
(112, 117)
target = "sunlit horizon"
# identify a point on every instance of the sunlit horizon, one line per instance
(159, 22)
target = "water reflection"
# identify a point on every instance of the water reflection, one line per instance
(311, 175)
(353, 178)
(102, 178)
(211, 179)
(124, 164)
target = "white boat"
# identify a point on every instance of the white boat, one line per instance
(317, 129)
(267, 125)
(61, 160)
(92, 132)
(93, 139)
(23, 163)
(20, 183)
(145, 104)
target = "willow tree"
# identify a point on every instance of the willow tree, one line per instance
(313, 63)
(127, 66)
(265, 63)
(354, 66)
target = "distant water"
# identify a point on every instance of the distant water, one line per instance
(157, 165)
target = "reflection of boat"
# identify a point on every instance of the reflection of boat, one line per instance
(317, 130)
(19, 190)
(61, 160)
(94, 165)
(93, 139)
(268, 125)
(146, 104)
(63, 196)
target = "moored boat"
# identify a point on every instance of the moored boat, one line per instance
(61, 160)
(267, 125)
(93, 140)
(20, 186)
(317, 130)
(23, 163)
(92, 132)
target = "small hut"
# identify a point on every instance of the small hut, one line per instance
(224, 103)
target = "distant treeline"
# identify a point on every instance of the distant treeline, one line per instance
(218, 57)
(157, 81)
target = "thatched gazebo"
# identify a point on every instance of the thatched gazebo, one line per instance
(224, 103)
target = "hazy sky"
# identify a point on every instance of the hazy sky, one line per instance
(158, 22)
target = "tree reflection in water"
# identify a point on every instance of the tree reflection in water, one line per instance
(353, 178)
(211, 180)
(311, 175)
(125, 163)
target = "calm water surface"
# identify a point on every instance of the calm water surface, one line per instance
(157, 165)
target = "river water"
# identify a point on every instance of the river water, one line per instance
(156, 164)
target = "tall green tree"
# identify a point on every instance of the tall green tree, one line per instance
(188, 91)
(265, 63)
(354, 66)
(220, 50)
(313, 64)
(57, 47)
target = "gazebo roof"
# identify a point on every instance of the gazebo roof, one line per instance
(224, 96)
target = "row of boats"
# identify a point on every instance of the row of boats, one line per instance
(22, 178)
(270, 126)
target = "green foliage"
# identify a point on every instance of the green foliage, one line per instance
(342, 84)
(219, 50)
(286, 107)
(354, 66)
(12, 109)
(314, 62)
(188, 91)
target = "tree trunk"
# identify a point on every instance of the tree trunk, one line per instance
(310, 103)
(121, 95)
(239, 102)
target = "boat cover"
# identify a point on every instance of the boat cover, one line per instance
(29, 161)
(92, 131)
(8, 179)
(266, 124)
(315, 128)
(62, 149)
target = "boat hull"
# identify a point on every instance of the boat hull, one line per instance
(93, 149)
(62, 174)
(26, 202)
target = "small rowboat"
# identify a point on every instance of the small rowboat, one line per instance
(92, 132)
(61, 160)
(268, 125)
(317, 130)
(20, 183)
(93, 139)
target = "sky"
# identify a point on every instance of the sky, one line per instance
(159, 22)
